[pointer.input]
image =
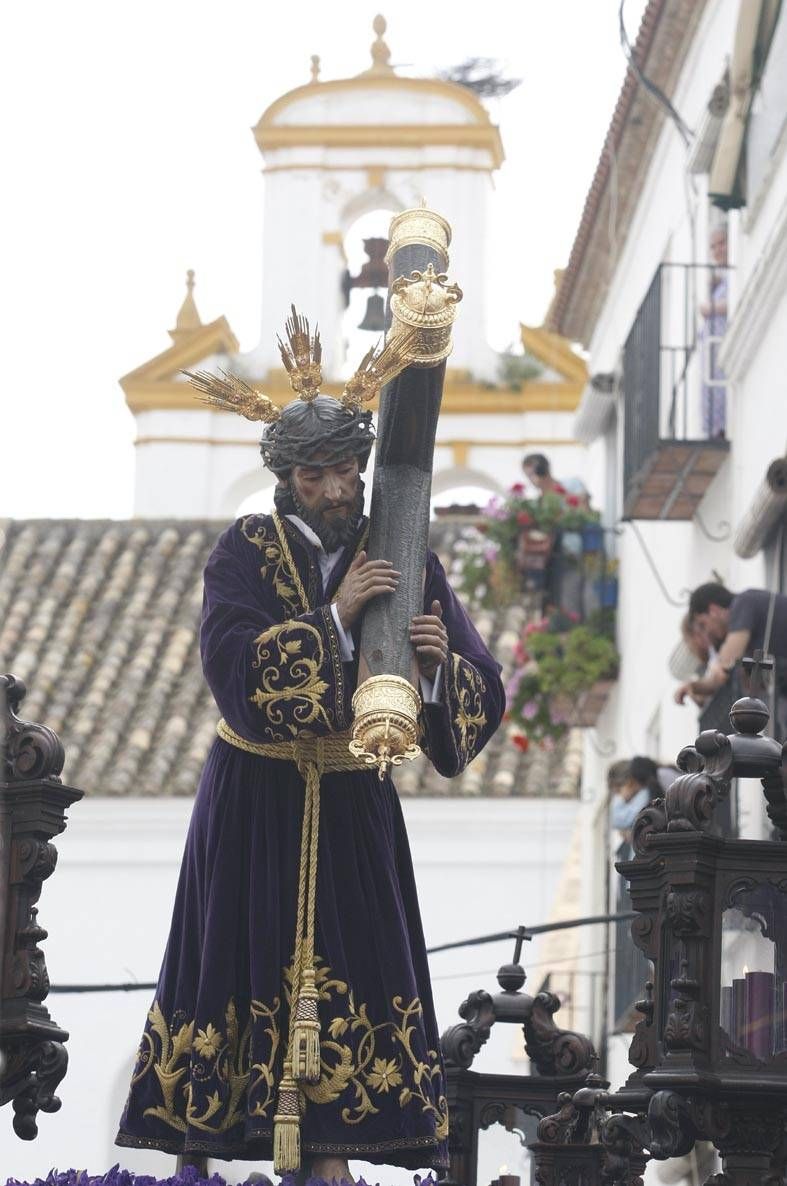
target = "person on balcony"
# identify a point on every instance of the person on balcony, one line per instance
(735, 624)
(538, 472)
(714, 315)
(696, 639)
(633, 784)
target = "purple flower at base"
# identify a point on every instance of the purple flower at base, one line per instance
(188, 1176)
(491, 553)
(530, 710)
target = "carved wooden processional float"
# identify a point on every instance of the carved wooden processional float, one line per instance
(33, 803)
(710, 1053)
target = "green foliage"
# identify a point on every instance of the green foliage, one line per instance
(514, 370)
(558, 663)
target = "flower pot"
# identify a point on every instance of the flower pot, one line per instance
(606, 590)
(572, 543)
(590, 704)
(592, 537)
(535, 548)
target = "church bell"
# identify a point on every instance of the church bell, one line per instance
(374, 317)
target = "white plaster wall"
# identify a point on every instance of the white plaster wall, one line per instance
(203, 464)
(396, 104)
(481, 866)
(641, 715)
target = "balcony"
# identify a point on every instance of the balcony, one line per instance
(674, 392)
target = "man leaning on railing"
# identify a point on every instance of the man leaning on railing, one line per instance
(737, 624)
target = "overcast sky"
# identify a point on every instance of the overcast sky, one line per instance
(128, 158)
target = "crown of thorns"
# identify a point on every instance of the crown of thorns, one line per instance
(314, 428)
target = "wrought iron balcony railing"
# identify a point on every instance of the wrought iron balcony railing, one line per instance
(674, 392)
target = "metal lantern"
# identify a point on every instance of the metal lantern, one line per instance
(711, 1050)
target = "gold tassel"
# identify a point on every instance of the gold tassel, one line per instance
(287, 1125)
(306, 1034)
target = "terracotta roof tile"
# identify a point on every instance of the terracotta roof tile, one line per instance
(663, 39)
(101, 620)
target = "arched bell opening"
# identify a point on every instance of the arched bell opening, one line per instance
(364, 285)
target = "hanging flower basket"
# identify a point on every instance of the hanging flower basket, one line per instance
(518, 534)
(563, 679)
(534, 549)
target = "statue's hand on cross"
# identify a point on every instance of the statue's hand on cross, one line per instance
(429, 638)
(365, 580)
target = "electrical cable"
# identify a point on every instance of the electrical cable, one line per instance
(519, 933)
(651, 564)
(685, 132)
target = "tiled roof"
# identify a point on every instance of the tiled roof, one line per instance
(100, 618)
(663, 41)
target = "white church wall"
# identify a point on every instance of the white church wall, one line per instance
(375, 105)
(481, 866)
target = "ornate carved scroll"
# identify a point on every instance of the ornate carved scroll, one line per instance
(33, 803)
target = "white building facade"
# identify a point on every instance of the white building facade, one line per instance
(640, 286)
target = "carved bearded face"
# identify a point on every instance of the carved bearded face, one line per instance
(329, 498)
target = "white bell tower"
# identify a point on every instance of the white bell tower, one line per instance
(336, 150)
(340, 157)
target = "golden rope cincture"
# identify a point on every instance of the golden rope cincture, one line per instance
(305, 1033)
(287, 1124)
(314, 756)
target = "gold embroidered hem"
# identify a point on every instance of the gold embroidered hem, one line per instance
(205, 1080)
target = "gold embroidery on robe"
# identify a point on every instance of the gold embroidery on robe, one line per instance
(468, 690)
(365, 1060)
(275, 568)
(289, 678)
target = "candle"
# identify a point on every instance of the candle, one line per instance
(725, 1011)
(759, 1013)
(738, 1012)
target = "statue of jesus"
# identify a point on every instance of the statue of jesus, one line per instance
(224, 1069)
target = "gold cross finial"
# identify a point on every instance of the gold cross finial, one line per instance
(315, 59)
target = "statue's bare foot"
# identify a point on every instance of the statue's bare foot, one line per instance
(330, 1169)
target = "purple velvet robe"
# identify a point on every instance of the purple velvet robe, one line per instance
(212, 1049)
